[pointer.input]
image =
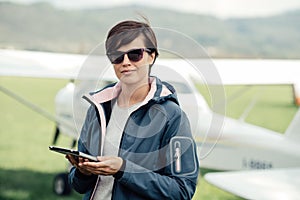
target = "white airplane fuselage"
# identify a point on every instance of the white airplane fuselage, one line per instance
(243, 146)
(237, 146)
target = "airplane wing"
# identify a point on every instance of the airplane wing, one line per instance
(35, 64)
(39, 64)
(258, 71)
(262, 184)
(231, 71)
(242, 72)
(19, 63)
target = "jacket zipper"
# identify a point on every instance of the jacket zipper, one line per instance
(103, 130)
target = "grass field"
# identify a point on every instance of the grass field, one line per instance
(27, 168)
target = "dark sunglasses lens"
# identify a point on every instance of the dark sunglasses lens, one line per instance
(118, 60)
(135, 55)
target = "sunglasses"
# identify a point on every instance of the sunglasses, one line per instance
(134, 55)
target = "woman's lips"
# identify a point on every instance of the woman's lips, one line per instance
(127, 71)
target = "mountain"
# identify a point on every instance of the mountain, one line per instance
(43, 27)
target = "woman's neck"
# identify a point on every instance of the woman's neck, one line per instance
(131, 95)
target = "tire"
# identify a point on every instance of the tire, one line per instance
(61, 185)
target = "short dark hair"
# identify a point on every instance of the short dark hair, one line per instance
(126, 31)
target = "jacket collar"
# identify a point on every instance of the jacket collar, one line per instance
(158, 91)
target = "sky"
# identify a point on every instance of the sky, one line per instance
(218, 8)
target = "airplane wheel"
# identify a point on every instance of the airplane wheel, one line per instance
(61, 185)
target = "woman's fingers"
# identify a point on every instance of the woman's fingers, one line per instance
(108, 165)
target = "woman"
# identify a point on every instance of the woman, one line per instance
(137, 127)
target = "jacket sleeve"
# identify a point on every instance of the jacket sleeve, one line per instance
(178, 178)
(80, 182)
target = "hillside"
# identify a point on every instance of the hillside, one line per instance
(43, 27)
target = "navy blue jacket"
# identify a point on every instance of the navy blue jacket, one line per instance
(157, 147)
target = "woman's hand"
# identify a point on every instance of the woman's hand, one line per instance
(78, 164)
(107, 165)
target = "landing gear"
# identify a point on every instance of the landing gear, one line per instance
(61, 185)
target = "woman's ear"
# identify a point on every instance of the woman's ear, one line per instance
(152, 58)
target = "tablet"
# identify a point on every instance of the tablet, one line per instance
(73, 152)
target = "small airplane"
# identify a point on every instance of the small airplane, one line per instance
(257, 161)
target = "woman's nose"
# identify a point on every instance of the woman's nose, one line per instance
(126, 60)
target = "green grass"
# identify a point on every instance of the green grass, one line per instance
(27, 167)
(273, 107)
